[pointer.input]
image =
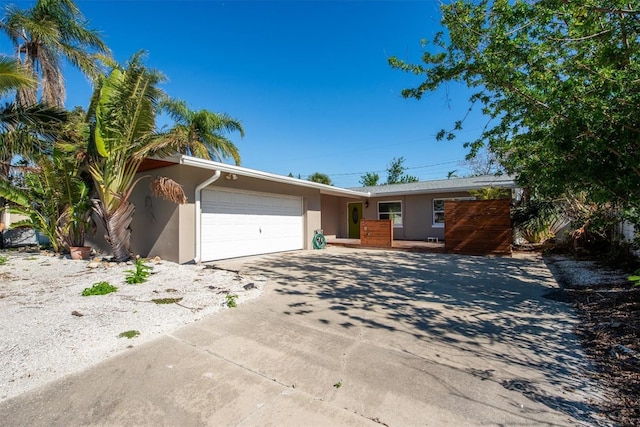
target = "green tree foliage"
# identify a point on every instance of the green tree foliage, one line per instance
(491, 193)
(25, 131)
(561, 82)
(369, 179)
(54, 199)
(45, 35)
(320, 178)
(122, 116)
(201, 133)
(395, 172)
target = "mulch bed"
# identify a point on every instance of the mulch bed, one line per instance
(609, 329)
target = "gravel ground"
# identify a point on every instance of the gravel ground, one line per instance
(48, 329)
(608, 308)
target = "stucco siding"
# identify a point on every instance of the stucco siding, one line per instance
(167, 230)
(330, 215)
(155, 225)
(417, 214)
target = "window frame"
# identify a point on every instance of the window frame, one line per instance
(392, 215)
(435, 224)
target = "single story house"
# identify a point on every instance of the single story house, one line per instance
(234, 211)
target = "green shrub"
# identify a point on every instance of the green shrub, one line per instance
(140, 274)
(100, 288)
(3, 260)
(230, 300)
(635, 278)
(129, 334)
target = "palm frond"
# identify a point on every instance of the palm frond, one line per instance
(13, 76)
(168, 189)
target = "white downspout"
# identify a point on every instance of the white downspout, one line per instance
(198, 218)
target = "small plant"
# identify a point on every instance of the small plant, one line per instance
(100, 288)
(635, 278)
(338, 384)
(230, 300)
(140, 274)
(129, 334)
(166, 300)
(3, 260)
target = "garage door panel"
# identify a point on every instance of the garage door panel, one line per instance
(238, 224)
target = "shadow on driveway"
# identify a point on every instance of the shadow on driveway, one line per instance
(486, 316)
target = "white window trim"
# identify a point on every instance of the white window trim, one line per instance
(401, 212)
(435, 224)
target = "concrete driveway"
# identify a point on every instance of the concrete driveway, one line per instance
(349, 337)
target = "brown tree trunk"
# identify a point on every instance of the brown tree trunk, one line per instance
(118, 228)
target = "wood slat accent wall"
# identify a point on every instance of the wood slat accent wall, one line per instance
(478, 227)
(376, 233)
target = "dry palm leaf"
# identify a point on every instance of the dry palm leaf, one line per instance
(168, 189)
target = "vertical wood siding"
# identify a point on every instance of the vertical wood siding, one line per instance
(376, 233)
(478, 227)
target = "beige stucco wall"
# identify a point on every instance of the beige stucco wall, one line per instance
(417, 214)
(334, 215)
(161, 228)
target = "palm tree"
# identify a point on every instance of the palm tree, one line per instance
(52, 31)
(200, 133)
(24, 130)
(122, 116)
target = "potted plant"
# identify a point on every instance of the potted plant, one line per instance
(76, 222)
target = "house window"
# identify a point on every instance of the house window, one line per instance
(438, 210)
(392, 211)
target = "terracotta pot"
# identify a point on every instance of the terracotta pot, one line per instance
(80, 252)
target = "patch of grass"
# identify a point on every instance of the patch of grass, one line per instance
(166, 300)
(129, 334)
(100, 288)
(230, 300)
(3, 260)
(31, 258)
(140, 274)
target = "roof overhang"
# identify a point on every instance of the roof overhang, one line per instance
(434, 191)
(504, 182)
(266, 176)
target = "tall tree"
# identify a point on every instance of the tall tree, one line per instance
(44, 36)
(483, 162)
(201, 133)
(369, 179)
(395, 172)
(122, 115)
(320, 178)
(560, 84)
(28, 130)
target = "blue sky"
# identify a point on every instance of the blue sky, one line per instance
(308, 79)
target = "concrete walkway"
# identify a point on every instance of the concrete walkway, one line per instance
(348, 337)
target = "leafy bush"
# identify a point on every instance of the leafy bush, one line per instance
(140, 274)
(100, 288)
(230, 300)
(3, 260)
(129, 334)
(538, 220)
(635, 278)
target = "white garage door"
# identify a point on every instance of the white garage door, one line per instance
(236, 224)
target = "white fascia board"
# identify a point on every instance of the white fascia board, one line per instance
(252, 173)
(436, 191)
